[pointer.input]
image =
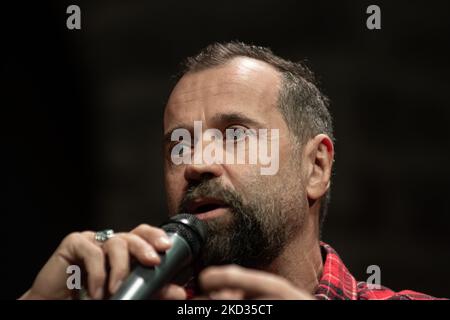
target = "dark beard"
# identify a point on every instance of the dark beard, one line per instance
(252, 235)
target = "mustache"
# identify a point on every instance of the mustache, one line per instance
(213, 189)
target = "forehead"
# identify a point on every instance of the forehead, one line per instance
(243, 85)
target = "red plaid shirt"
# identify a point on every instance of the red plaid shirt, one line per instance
(337, 283)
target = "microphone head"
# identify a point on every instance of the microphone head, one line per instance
(189, 227)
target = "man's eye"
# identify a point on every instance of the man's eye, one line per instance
(236, 133)
(180, 148)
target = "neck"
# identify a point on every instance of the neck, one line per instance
(301, 260)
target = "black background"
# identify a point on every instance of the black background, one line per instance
(82, 113)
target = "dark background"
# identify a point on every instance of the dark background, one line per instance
(82, 122)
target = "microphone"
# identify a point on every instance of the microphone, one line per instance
(188, 234)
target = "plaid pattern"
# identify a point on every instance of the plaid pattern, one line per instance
(337, 283)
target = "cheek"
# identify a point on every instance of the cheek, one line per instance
(290, 158)
(174, 188)
(238, 175)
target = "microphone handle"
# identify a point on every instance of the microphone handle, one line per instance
(143, 282)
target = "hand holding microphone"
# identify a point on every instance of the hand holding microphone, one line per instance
(145, 243)
(187, 235)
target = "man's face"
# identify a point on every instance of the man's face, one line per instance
(251, 216)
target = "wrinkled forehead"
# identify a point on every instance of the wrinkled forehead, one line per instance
(243, 85)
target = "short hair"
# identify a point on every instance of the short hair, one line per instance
(303, 106)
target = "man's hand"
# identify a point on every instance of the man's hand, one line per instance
(82, 249)
(234, 282)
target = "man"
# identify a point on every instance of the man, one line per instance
(264, 228)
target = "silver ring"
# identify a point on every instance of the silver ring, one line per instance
(104, 235)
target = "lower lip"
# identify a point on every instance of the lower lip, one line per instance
(212, 214)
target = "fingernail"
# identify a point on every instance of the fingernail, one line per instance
(98, 293)
(164, 240)
(152, 255)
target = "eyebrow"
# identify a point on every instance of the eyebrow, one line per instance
(235, 117)
(168, 136)
(219, 118)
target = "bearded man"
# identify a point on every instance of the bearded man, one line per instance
(264, 229)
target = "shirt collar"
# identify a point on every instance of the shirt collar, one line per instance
(336, 282)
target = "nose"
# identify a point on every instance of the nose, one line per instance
(196, 172)
(201, 168)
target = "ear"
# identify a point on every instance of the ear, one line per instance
(318, 159)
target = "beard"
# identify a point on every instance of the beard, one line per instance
(255, 230)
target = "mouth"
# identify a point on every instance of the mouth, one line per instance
(207, 208)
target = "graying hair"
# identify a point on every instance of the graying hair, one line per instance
(303, 106)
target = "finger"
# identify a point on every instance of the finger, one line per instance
(252, 282)
(79, 246)
(227, 294)
(116, 249)
(172, 292)
(155, 236)
(140, 249)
